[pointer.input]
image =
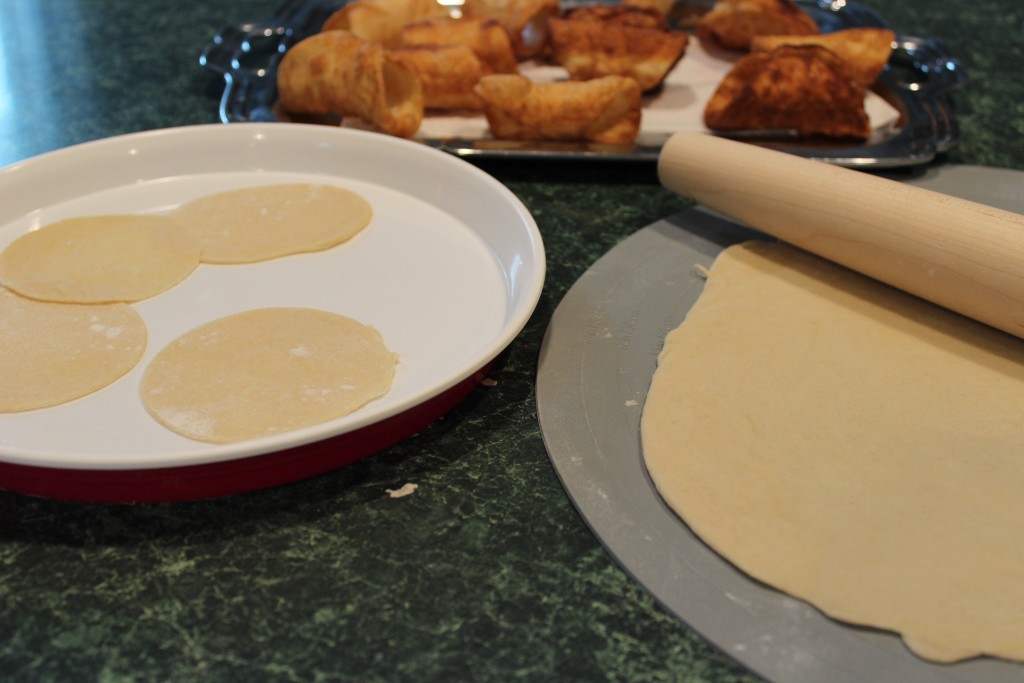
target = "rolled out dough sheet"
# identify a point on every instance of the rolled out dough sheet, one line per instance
(51, 353)
(265, 371)
(268, 221)
(850, 445)
(99, 259)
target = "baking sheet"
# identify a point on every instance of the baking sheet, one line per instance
(596, 363)
(911, 114)
(449, 270)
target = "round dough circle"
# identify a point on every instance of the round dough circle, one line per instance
(260, 223)
(266, 371)
(51, 353)
(99, 259)
(851, 445)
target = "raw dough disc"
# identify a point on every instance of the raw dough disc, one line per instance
(51, 353)
(850, 445)
(99, 259)
(266, 371)
(260, 223)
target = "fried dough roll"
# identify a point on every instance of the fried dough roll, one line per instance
(485, 36)
(336, 72)
(805, 88)
(603, 110)
(591, 48)
(732, 24)
(866, 51)
(661, 6)
(381, 20)
(448, 74)
(524, 20)
(647, 17)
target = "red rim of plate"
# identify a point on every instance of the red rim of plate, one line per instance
(230, 477)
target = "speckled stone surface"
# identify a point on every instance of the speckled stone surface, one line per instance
(486, 572)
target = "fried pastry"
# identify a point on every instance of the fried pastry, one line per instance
(807, 89)
(485, 36)
(448, 74)
(337, 73)
(605, 110)
(524, 20)
(663, 7)
(381, 20)
(647, 17)
(732, 24)
(595, 47)
(865, 50)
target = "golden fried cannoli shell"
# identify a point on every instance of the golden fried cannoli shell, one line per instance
(806, 89)
(866, 51)
(732, 24)
(485, 36)
(310, 72)
(664, 7)
(591, 49)
(524, 20)
(605, 110)
(448, 74)
(648, 17)
(336, 72)
(381, 20)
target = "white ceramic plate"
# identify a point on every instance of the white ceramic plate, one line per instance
(449, 271)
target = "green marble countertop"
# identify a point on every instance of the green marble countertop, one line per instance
(486, 572)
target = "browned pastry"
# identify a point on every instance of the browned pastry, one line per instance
(381, 20)
(648, 17)
(337, 73)
(732, 24)
(485, 36)
(663, 7)
(807, 89)
(865, 50)
(592, 47)
(603, 110)
(525, 20)
(448, 74)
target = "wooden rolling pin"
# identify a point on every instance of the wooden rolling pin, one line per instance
(962, 255)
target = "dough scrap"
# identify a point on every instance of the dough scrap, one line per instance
(265, 371)
(850, 445)
(99, 259)
(265, 222)
(51, 353)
